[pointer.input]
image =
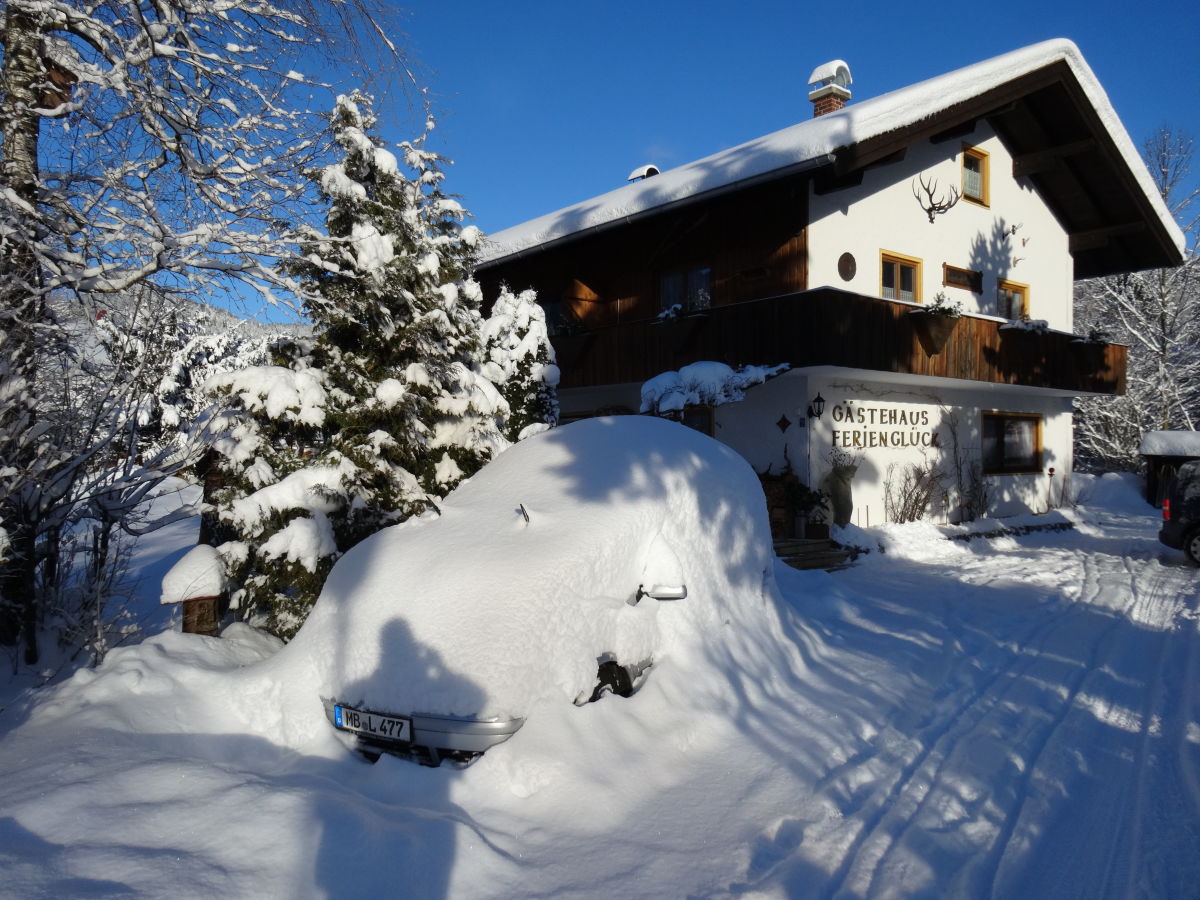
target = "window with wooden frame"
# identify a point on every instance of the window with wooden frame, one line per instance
(967, 279)
(975, 175)
(690, 289)
(1011, 443)
(899, 277)
(1012, 299)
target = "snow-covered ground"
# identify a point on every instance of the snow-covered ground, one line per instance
(1013, 717)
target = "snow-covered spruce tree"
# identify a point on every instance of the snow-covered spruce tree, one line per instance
(395, 413)
(1157, 314)
(275, 504)
(140, 141)
(179, 401)
(519, 359)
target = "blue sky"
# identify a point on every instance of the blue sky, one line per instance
(542, 104)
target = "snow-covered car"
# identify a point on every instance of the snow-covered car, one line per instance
(1180, 528)
(568, 569)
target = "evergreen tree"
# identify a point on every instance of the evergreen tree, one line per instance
(520, 360)
(385, 413)
(141, 143)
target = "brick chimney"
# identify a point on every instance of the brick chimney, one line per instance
(830, 89)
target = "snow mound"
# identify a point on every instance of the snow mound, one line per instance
(529, 576)
(1122, 491)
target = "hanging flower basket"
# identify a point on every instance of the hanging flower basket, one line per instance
(933, 329)
(1089, 355)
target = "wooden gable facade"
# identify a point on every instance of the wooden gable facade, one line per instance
(751, 240)
(605, 285)
(602, 293)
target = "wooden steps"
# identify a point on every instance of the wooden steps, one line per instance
(800, 553)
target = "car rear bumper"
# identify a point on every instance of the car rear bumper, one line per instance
(468, 735)
(436, 735)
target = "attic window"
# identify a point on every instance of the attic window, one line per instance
(975, 175)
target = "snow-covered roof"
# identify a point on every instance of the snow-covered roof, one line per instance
(812, 143)
(1170, 443)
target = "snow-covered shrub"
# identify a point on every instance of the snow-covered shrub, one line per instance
(519, 360)
(707, 383)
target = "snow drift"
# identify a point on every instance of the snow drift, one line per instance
(528, 577)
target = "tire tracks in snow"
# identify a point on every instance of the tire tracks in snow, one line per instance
(865, 858)
(984, 881)
(1165, 722)
(875, 862)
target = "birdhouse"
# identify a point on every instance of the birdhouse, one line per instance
(198, 582)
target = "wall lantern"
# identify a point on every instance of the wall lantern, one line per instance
(816, 406)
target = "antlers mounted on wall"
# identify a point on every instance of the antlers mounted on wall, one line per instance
(934, 205)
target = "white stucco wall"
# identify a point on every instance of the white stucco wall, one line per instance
(751, 427)
(881, 214)
(886, 422)
(887, 425)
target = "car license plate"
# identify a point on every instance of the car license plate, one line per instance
(373, 725)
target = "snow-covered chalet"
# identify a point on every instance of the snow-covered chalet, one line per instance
(825, 245)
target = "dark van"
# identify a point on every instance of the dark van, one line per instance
(1181, 512)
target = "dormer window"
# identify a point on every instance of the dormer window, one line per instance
(900, 277)
(975, 175)
(690, 289)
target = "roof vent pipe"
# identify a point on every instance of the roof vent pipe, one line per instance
(830, 87)
(642, 172)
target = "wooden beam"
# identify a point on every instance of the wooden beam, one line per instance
(1099, 237)
(829, 179)
(961, 130)
(1044, 160)
(997, 100)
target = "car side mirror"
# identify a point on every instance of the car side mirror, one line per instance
(661, 592)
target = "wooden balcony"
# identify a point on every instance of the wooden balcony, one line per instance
(827, 327)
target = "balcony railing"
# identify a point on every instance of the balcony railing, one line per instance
(828, 327)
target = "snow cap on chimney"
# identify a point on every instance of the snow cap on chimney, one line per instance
(830, 89)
